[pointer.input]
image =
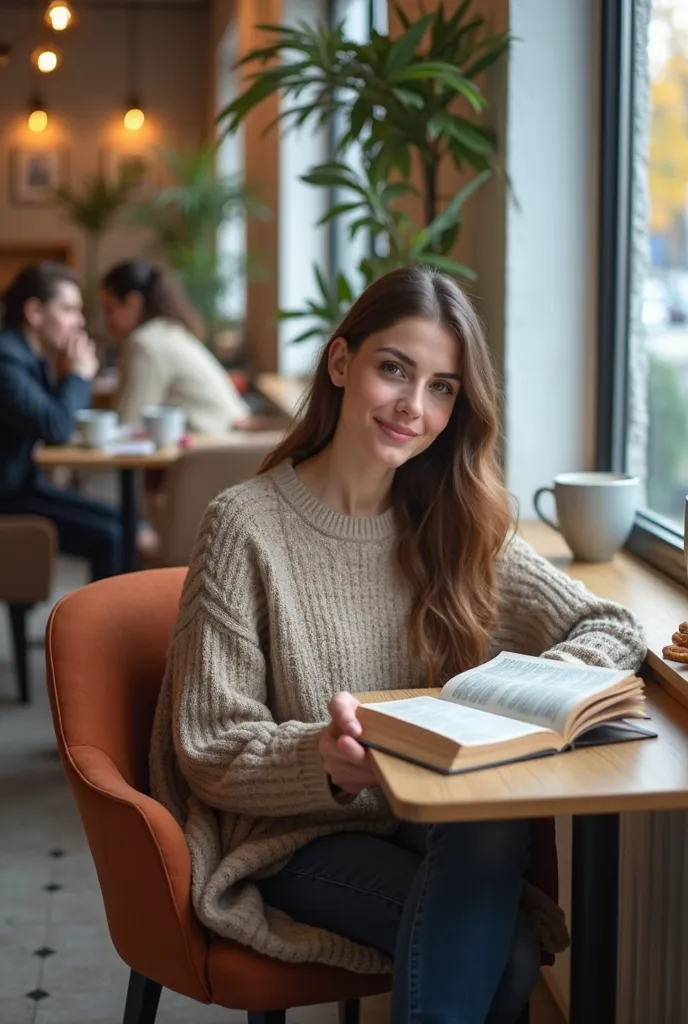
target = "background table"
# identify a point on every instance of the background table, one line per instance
(129, 467)
(285, 393)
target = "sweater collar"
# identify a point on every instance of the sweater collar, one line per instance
(326, 520)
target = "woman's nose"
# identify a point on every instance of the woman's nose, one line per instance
(411, 402)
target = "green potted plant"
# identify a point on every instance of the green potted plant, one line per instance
(184, 218)
(94, 208)
(407, 101)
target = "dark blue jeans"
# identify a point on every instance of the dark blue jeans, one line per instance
(443, 900)
(86, 528)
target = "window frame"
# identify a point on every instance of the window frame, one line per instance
(652, 539)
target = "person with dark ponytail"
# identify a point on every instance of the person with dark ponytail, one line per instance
(43, 323)
(163, 359)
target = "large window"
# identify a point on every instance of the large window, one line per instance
(359, 18)
(643, 308)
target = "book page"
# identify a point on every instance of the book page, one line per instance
(536, 690)
(464, 725)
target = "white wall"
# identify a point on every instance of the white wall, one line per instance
(550, 248)
(85, 99)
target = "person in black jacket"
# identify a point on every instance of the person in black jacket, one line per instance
(42, 321)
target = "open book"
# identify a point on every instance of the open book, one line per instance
(511, 708)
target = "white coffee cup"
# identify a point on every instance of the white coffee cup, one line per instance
(595, 512)
(98, 427)
(165, 424)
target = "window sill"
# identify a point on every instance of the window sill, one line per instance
(660, 546)
(658, 601)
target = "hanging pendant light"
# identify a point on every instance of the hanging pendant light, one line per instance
(38, 115)
(47, 57)
(134, 116)
(60, 16)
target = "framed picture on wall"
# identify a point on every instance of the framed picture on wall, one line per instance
(136, 165)
(35, 174)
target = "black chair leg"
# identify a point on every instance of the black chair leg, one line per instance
(143, 996)
(525, 1016)
(267, 1017)
(350, 1012)
(18, 613)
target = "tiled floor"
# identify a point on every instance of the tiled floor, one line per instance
(57, 964)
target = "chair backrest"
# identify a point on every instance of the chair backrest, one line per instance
(106, 647)
(28, 546)
(197, 477)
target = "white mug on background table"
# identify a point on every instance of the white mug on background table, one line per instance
(165, 424)
(98, 427)
(595, 512)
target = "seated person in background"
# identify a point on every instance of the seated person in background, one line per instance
(376, 551)
(162, 359)
(43, 322)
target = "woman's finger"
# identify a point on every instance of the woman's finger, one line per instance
(351, 750)
(342, 710)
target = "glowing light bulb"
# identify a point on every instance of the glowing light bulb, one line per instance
(38, 121)
(59, 15)
(47, 61)
(134, 118)
(46, 58)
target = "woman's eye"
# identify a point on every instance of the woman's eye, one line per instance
(443, 387)
(392, 368)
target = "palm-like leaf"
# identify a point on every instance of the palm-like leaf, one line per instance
(411, 99)
(396, 86)
(95, 206)
(184, 218)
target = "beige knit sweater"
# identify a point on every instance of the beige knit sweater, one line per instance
(287, 602)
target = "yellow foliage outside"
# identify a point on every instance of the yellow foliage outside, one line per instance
(668, 163)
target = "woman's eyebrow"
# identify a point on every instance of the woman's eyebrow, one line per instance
(403, 358)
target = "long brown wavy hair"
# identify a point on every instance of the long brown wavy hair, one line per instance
(452, 509)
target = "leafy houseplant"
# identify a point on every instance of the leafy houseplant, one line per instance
(94, 209)
(184, 219)
(413, 100)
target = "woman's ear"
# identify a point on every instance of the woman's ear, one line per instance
(338, 361)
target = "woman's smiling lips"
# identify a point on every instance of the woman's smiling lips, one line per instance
(395, 431)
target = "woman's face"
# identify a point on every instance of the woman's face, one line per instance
(122, 316)
(399, 388)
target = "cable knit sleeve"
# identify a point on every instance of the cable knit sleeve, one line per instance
(231, 752)
(544, 612)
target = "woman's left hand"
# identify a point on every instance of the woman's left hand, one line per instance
(345, 760)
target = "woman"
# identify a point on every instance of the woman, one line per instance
(374, 552)
(163, 360)
(43, 328)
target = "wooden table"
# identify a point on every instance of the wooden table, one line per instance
(284, 392)
(129, 467)
(594, 785)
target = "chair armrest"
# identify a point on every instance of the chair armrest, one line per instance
(28, 545)
(144, 870)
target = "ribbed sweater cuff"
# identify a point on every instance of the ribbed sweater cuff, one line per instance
(313, 775)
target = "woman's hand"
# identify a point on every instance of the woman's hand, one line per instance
(345, 760)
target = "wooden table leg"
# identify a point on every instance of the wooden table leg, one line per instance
(594, 918)
(130, 517)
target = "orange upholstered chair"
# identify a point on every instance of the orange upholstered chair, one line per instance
(105, 653)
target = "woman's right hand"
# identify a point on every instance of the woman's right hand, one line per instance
(345, 760)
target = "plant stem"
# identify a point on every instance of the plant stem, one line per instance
(430, 168)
